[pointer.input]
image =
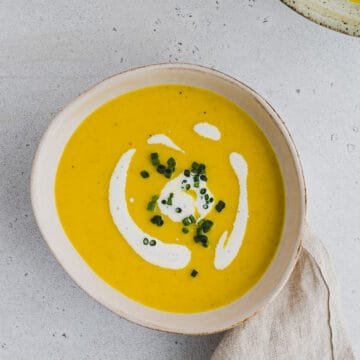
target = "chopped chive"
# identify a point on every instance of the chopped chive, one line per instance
(203, 177)
(202, 191)
(207, 225)
(220, 206)
(161, 169)
(185, 230)
(196, 181)
(194, 273)
(206, 197)
(194, 166)
(186, 221)
(146, 241)
(151, 206)
(152, 242)
(201, 168)
(144, 174)
(187, 186)
(163, 202)
(187, 173)
(169, 199)
(200, 223)
(157, 220)
(205, 244)
(184, 181)
(211, 199)
(155, 159)
(205, 206)
(200, 238)
(199, 231)
(168, 172)
(192, 219)
(178, 210)
(171, 163)
(203, 238)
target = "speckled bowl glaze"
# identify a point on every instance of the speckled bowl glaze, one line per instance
(43, 198)
(339, 15)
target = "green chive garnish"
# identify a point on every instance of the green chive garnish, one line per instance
(220, 206)
(199, 231)
(163, 202)
(211, 200)
(171, 163)
(196, 181)
(168, 172)
(157, 220)
(152, 242)
(205, 206)
(194, 273)
(155, 159)
(146, 241)
(186, 221)
(161, 169)
(202, 191)
(192, 219)
(200, 238)
(203, 177)
(152, 204)
(178, 210)
(184, 181)
(201, 169)
(187, 173)
(187, 186)
(154, 219)
(207, 225)
(194, 166)
(169, 199)
(144, 174)
(206, 197)
(185, 230)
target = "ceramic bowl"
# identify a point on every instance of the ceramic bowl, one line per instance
(43, 199)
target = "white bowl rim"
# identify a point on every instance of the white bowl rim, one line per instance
(295, 157)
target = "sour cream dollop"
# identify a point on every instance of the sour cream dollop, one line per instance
(190, 202)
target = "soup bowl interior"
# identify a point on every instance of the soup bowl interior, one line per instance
(43, 198)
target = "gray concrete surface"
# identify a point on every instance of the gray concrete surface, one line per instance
(50, 51)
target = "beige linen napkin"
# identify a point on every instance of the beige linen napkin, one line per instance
(303, 322)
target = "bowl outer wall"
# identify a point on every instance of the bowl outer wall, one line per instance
(43, 200)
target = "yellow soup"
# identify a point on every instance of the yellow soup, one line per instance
(175, 240)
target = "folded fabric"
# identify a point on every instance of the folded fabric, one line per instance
(303, 322)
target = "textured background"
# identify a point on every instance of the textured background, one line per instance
(50, 51)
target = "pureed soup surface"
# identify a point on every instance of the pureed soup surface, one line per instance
(138, 233)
